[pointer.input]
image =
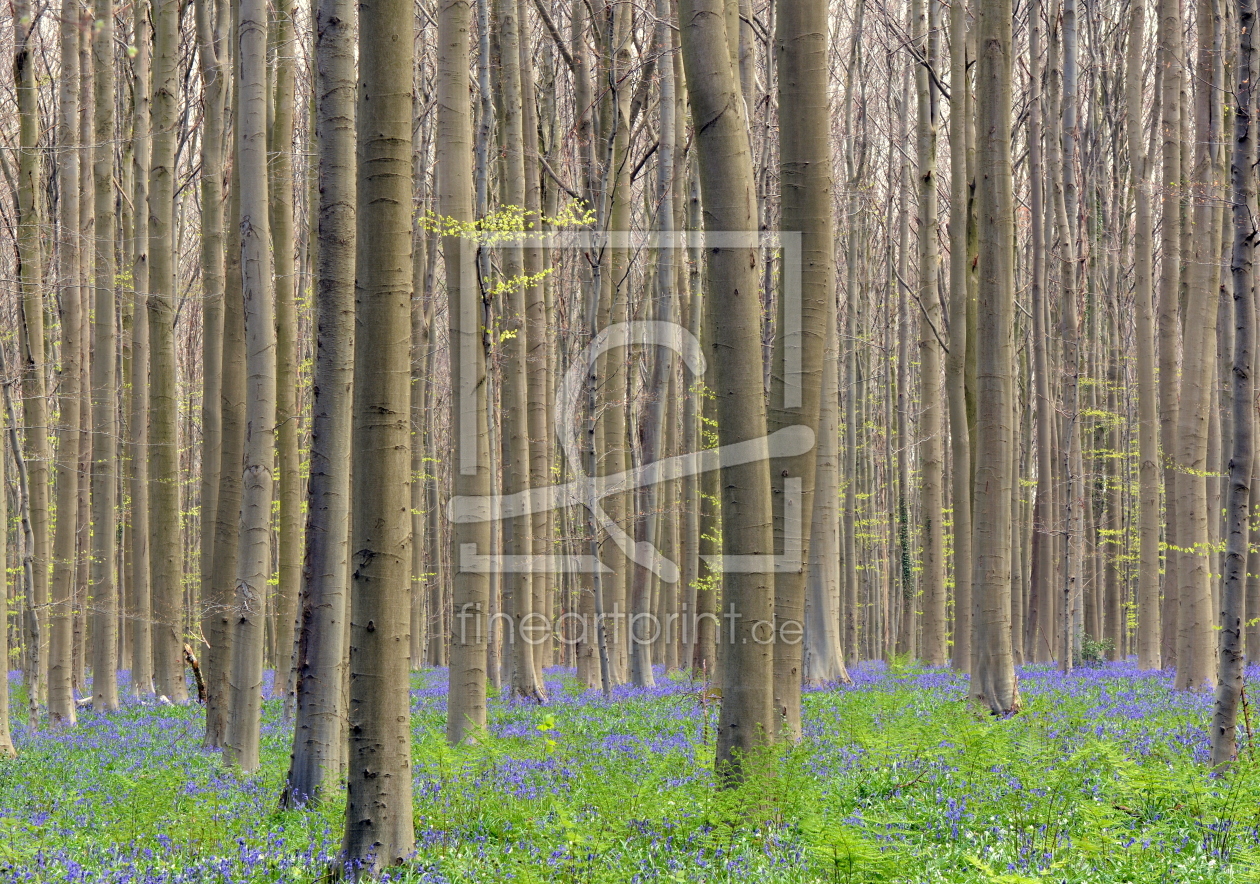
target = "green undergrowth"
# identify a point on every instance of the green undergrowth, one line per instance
(1101, 778)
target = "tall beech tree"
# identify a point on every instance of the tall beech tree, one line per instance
(1148, 608)
(220, 480)
(219, 608)
(321, 649)
(137, 573)
(956, 359)
(379, 831)
(61, 700)
(1171, 63)
(747, 716)
(212, 36)
(257, 289)
(31, 358)
(167, 226)
(805, 163)
(927, 43)
(288, 419)
(1195, 647)
(165, 550)
(470, 594)
(518, 535)
(104, 591)
(994, 682)
(1229, 684)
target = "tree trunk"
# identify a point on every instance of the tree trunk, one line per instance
(1144, 314)
(652, 426)
(1170, 61)
(747, 717)
(6, 739)
(956, 359)
(855, 168)
(31, 360)
(931, 327)
(379, 831)
(425, 555)
(514, 332)
(1195, 662)
(538, 380)
(164, 541)
(212, 26)
(704, 660)
(824, 652)
(28, 537)
(615, 293)
(1063, 148)
(217, 608)
(288, 417)
(138, 407)
(320, 655)
(1039, 632)
(801, 329)
(1233, 608)
(466, 702)
(254, 545)
(104, 374)
(997, 685)
(61, 706)
(1253, 563)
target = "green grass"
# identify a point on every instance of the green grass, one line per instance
(1101, 778)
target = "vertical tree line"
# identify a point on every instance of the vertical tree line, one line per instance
(736, 339)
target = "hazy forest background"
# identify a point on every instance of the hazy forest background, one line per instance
(516, 435)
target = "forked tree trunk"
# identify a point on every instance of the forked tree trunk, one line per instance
(746, 720)
(320, 656)
(379, 831)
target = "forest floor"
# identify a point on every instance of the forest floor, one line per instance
(1101, 778)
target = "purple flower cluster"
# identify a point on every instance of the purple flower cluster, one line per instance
(895, 771)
